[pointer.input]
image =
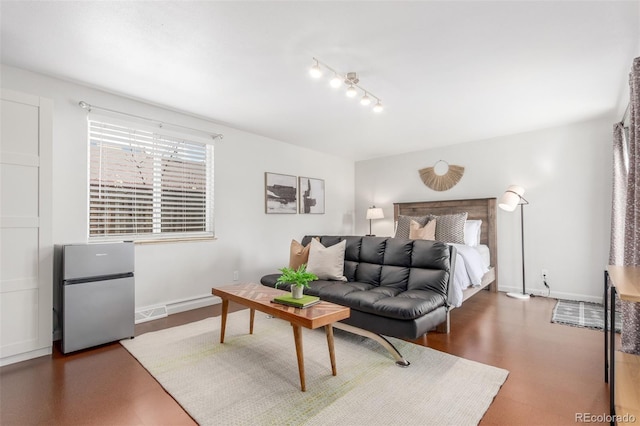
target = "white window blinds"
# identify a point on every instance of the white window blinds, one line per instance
(145, 185)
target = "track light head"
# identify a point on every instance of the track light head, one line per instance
(335, 81)
(366, 100)
(315, 70)
(351, 91)
(378, 107)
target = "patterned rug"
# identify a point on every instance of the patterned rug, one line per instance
(253, 379)
(582, 314)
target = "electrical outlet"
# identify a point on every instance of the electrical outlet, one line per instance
(236, 275)
(545, 278)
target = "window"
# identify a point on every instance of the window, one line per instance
(145, 185)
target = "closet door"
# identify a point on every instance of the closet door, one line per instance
(26, 248)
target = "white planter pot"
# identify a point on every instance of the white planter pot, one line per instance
(296, 292)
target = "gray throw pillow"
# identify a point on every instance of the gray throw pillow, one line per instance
(450, 228)
(403, 229)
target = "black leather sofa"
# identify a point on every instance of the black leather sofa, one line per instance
(395, 287)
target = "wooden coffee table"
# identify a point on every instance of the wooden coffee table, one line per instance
(259, 297)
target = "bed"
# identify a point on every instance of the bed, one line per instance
(483, 209)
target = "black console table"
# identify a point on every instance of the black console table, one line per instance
(621, 370)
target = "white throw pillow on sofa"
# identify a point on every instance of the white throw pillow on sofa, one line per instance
(327, 262)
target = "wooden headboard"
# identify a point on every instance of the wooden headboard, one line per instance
(483, 209)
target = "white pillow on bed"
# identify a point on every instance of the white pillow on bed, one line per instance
(472, 230)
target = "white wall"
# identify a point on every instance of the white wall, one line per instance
(566, 172)
(248, 240)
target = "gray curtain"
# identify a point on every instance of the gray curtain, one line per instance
(632, 217)
(631, 224)
(618, 208)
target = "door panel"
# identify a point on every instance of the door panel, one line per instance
(18, 183)
(97, 312)
(19, 254)
(22, 331)
(20, 126)
(26, 274)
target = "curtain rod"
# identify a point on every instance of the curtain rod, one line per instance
(89, 107)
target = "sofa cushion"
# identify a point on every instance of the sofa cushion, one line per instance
(327, 262)
(326, 241)
(385, 301)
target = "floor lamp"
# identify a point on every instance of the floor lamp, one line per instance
(511, 199)
(374, 212)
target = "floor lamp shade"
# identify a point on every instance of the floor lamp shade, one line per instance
(512, 198)
(374, 212)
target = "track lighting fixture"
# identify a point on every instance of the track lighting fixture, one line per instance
(351, 80)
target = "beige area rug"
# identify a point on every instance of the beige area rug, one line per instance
(253, 379)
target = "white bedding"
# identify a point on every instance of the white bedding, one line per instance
(471, 265)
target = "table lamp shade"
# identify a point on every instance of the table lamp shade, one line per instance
(375, 213)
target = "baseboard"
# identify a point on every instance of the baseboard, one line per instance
(25, 356)
(554, 294)
(150, 313)
(192, 303)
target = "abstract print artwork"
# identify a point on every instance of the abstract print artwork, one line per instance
(311, 195)
(280, 193)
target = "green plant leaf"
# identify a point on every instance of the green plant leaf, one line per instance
(299, 277)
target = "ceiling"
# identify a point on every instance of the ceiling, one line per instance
(447, 72)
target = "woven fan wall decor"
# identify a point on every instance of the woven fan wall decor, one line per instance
(441, 182)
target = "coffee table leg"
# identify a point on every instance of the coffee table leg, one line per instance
(225, 310)
(297, 336)
(332, 355)
(252, 316)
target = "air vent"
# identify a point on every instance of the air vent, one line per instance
(151, 314)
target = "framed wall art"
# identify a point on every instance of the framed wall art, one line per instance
(280, 193)
(311, 195)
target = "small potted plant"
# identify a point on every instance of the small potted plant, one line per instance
(299, 279)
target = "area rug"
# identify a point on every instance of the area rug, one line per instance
(582, 314)
(253, 379)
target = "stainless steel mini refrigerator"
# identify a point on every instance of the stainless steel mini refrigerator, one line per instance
(97, 294)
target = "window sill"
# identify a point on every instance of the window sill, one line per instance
(156, 240)
(174, 240)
